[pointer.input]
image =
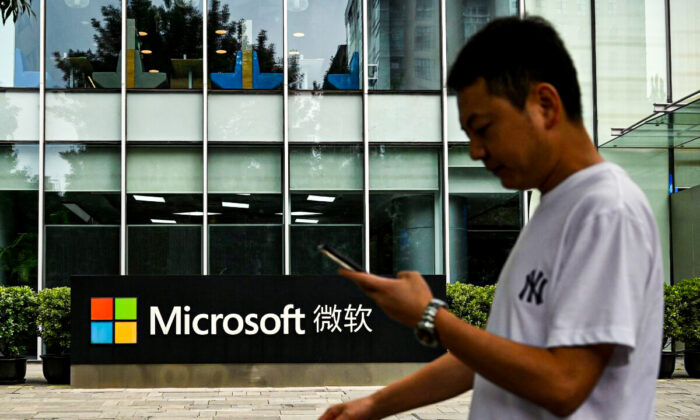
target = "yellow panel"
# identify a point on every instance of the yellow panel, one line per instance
(125, 332)
(247, 69)
(130, 65)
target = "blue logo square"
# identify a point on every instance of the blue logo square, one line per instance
(101, 332)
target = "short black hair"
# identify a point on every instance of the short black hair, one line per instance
(512, 54)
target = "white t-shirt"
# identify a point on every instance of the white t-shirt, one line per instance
(586, 269)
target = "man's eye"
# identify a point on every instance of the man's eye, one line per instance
(481, 131)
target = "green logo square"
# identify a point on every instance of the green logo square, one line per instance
(124, 308)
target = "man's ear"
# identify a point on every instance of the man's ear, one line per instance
(548, 104)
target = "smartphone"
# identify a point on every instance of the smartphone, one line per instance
(339, 258)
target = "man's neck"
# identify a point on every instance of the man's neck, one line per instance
(577, 153)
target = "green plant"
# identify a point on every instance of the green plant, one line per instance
(54, 319)
(18, 308)
(14, 8)
(471, 303)
(689, 312)
(672, 302)
(19, 259)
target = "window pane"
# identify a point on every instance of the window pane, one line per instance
(164, 44)
(245, 210)
(82, 211)
(685, 47)
(325, 44)
(405, 215)
(251, 117)
(404, 45)
(405, 118)
(485, 220)
(164, 210)
(83, 43)
(173, 116)
(572, 20)
(326, 184)
(83, 116)
(631, 62)
(19, 120)
(687, 170)
(245, 44)
(19, 183)
(315, 118)
(19, 49)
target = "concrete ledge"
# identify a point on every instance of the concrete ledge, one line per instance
(238, 375)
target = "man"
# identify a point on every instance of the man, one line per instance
(575, 327)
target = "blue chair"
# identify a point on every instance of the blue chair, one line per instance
(235, 80)
(347, 81)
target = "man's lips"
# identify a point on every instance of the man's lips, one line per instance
(495, 169)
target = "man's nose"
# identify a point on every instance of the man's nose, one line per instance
(476, 150)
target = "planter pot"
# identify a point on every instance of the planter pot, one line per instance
(692, 362)
(12, 370)
(56, 368)
(668, 364)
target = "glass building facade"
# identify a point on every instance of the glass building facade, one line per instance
(230, 137)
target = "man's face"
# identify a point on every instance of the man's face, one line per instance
(511, 143)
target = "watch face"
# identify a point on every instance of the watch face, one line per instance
(425, 337)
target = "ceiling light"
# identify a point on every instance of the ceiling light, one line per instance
(235, 205)
(220, 31)
(77, 4)
(322, 198)
(303, 213)
(142, 33)
(221, 51)
(149, 198)
(153, 71)
(294, 52)
(312, 221)
(163, 221)
(78, 211)
(242, 193)
(146, 52)
(298, 34)
(196, 213)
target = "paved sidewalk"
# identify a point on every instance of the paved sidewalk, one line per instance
(676, 398)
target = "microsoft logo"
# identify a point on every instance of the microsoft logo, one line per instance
(113, 320)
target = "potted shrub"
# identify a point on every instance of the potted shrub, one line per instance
(689, 320)
(54, 329)
(471, 303)
(671, 330)
(18, 308)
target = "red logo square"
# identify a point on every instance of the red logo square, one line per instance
(101, 309)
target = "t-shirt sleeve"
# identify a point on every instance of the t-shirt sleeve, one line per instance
(599, 287)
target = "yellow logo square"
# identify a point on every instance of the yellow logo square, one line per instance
(125, 332)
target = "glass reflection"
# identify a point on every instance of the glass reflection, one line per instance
(82, 211)
(83, 41)
(19, 49)
(245, 211)
(326, 206)
(483, 230)
(404, 51)
(164, 44)
(19, 182)
(325, 44)
(245, 42)
(465, 17)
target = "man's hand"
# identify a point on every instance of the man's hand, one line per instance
(360, 409)
(403, 298)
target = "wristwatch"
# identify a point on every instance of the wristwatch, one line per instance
(425, 330)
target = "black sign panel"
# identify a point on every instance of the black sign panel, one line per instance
(229, 319)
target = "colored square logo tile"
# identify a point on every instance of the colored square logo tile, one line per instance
(101, 332)
(101, 309)
(125, 332)
(124, 308)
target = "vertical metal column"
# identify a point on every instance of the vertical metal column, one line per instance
(205, 139)
(594, 69)
(445, 151)
(667, 24)
(521, 4)
(365, 136)
(42, 140)
(122, 223)
(285, 146)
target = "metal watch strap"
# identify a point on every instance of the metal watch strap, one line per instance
(425, 330)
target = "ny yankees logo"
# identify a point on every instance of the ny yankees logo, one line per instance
(534, 283)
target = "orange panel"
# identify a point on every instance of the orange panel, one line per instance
(101, 309)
